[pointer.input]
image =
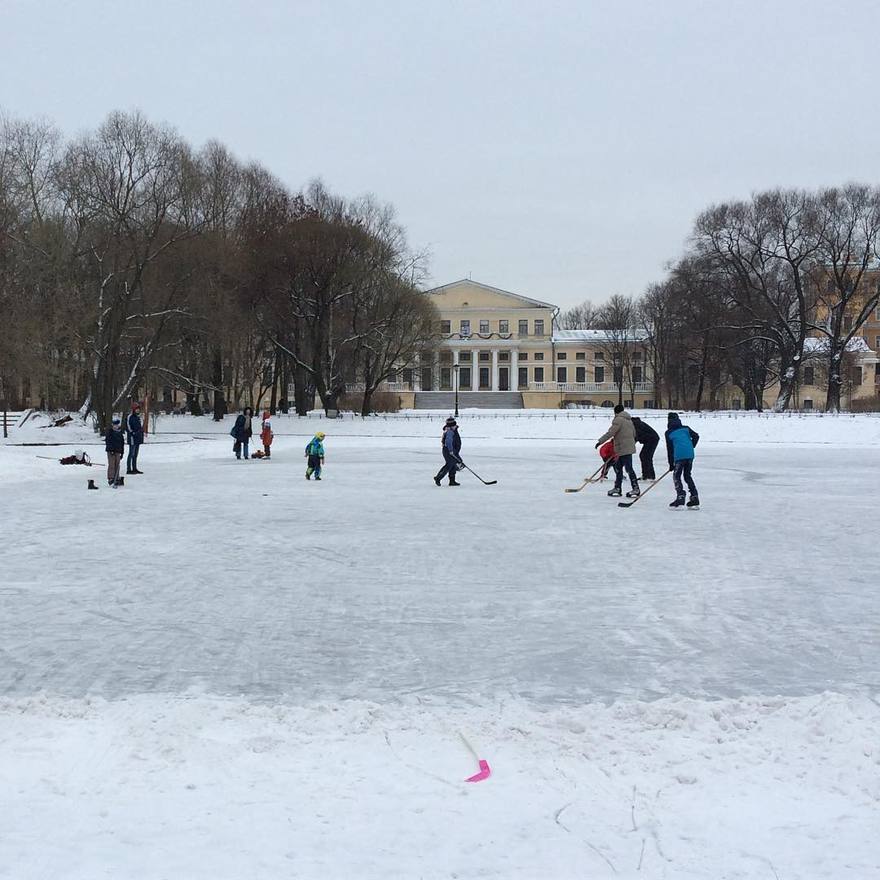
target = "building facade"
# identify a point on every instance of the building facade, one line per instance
(499, 348)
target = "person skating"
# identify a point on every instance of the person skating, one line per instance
(606, 453)
(649, 439)
(315, 455)
(680, 444)
(624, 435)
(242, 431)
(266, 435)
(450, 444)
(134, 435)
(114, 445)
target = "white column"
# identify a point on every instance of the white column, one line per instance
(514, 370)
(435, 372)
(494, 369)
(417, 373)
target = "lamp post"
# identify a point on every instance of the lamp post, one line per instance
(455, 369)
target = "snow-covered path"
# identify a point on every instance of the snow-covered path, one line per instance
(224, 671)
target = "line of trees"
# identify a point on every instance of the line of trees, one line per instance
(765, 286)
(132, 263)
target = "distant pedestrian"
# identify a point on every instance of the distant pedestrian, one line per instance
(624, 435)
(242, 431)
(266, 435)
(681, 442)
(114, 445)
(134, 435)
(315, 456)
(450, 444)
(649, 439)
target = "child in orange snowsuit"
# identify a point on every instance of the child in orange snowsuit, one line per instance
(606, 450)
(266, 435)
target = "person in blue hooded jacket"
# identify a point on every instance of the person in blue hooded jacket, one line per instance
(451, 446)
(680, 444)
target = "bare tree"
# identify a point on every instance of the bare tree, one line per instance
(580, 317)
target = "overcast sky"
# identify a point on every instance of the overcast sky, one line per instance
(557, 149)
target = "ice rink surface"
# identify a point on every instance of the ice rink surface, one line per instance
(223, 670)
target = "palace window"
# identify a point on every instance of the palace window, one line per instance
(599, 356)
(580, 374)
(504, 327)
(562, 374)
(600, 374)
(539, 328)
(523, 328)
(446, 327)
(465, 357)
(809, 376)
(561, 356)
(637, 374)
(485, 356)
(504, 356)
(524, 355)
(808, 404)
(580, 355)
(539, 374)
(539, 355)
(464, 328)
(484, 326)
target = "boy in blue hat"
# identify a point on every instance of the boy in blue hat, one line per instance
(680, 444)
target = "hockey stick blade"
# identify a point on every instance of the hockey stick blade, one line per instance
(630, 503)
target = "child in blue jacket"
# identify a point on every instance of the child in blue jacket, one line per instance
(315, 455)
(680, 444)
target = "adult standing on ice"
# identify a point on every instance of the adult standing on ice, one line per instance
(242, 431)
(649, 439)
(134, 434)
(623, 433)
(450, 443)
(680, 444)
(114, 446)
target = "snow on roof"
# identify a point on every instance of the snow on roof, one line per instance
(599, 335)
(816, 345)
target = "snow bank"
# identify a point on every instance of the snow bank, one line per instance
(201, 787)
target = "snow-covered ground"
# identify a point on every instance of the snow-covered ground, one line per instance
(224, 671)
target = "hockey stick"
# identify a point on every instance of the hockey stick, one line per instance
(630, 503)
(485, 770)
(484, 482)
(588, 480)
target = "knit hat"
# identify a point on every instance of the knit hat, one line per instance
(450, 422)
(672, 417)
(618, 408)
(135, 405)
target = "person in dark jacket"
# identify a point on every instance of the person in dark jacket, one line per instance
(114, 445)
(649, 439)
(134, 435)
(242, 431)
(681, 442)
(451, 445)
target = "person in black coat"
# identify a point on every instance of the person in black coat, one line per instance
(451, 446)
(134, 434)
(114, 446)
(649, 439)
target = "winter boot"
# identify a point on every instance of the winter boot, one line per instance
(308, 474)
(136, 471)
(92, 484)
(614, 493)
(436, 481)
(694, 502)
(634, 492)
(679, 502)
(454, 483)
(317, 477)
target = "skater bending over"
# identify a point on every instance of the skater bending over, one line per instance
(623, 434)
(451, 445)
(649, 439)
(606, 452)
(680, 444)
(315, 455)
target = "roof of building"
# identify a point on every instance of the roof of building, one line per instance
(605, 336)
(532, 302)
(816, 345)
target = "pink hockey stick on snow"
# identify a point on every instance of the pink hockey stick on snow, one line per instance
(485, 769)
